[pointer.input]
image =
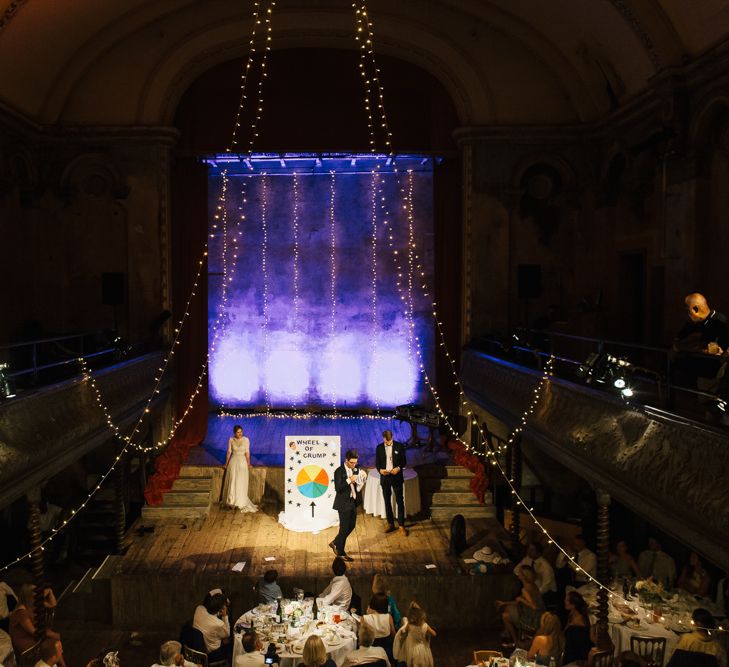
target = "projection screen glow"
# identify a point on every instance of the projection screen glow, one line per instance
(370, 356)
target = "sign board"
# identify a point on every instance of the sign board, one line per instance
(309, 465)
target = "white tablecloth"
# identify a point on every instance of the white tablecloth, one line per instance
(346, 642)
(374, 502)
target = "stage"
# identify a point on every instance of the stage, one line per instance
(172, 561)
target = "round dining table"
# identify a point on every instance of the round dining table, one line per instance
(374, 501)
(337, 629)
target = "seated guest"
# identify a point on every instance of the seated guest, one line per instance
(583, 562)
(170, 655)
(50, 653)
(366, 652)
(622, 564)
(543, 570)
(211, 619)
(701, 640)
(722, 594)
(577, 643)
(6, 648)
(8, 600)
(267, 588)
(22, 624)
(524, 611)
(548, 642)
(600, 637)
(251, 651)
(656, 563)
(339, 591)
(381, 621)
(379, 585)
(315, 654)
(630, 659)
(694, 578)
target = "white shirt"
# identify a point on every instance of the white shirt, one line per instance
(6, 645)
(586, 559)
(364, 655)
(213, 628)
(388, 455)
(380, 624)
(657, 564)
(249, 659)
(186, 663)
(40, 663)
(5, 590)
(338, 593)
(545, 580)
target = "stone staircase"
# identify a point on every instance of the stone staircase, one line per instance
(191, 495)
(455, 497)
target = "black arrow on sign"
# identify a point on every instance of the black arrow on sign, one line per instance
(313, 505)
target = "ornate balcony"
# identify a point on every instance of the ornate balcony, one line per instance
(668, 469)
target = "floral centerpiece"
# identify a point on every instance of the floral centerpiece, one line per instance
(649, 590)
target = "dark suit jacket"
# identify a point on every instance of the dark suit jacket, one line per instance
(343, 494)
(398, 461)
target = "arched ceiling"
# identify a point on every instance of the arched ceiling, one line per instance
(128, 62)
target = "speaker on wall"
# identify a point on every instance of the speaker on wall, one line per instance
(529, 281)
(112, 288)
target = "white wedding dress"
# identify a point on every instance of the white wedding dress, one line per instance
(235, 489)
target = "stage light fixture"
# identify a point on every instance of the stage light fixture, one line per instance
(627, 392)
(619, 383)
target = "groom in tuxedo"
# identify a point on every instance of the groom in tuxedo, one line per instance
(390, 461)
(348, 479)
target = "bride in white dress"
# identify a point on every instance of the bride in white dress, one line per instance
(237, 462)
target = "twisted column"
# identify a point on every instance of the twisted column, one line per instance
(120, 515)
(37, 560)
(603, 545)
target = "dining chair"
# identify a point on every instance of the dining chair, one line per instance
(652, 649)
(197, 657)
(603, 659)
(483, 656)
(30, 656)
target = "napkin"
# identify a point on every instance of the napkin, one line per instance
(238, 567)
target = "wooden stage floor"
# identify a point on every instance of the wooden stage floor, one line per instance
(267, 435)
(165, 573)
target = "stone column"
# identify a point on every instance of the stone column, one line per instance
(37, 560)
(603, 542)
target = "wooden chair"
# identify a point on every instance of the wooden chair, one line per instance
(603, 659)
(484, 656)
(651, 649)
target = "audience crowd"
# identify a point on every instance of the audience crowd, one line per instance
(548, 622)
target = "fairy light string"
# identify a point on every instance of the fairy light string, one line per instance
(374, 189)
(88, 376)
(332, 272)
(264, 273)
(361, 9)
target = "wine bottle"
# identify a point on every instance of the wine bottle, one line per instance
(279, 611)
(315, 610)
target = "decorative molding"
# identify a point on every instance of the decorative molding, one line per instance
(667, 469)
(10, 12)
(45, 431)
(641, 33)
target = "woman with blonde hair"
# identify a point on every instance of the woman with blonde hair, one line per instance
(548, 642)
(379, 585)
(315, 654)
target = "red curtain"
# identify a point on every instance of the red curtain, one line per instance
(189, 233)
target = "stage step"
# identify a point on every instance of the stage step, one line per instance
(458, 472)
(455, 498)
(196, 471)
(187, 498)
(451, 484)
(447, 512)
(153, 513)
(191, 484)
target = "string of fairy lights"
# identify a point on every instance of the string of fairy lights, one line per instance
(128, 441)
(374, 187)
(333, 270)
(264, 273)
(365, 37)
(363, 18)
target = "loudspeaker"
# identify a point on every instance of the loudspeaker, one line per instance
(112, 289)
(529, 281)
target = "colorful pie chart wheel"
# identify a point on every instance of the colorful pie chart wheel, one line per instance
(312, 481)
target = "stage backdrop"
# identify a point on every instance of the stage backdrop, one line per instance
(310, 462)
(339, 334)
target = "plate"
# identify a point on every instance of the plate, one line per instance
(634, 625)
(336, 641)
